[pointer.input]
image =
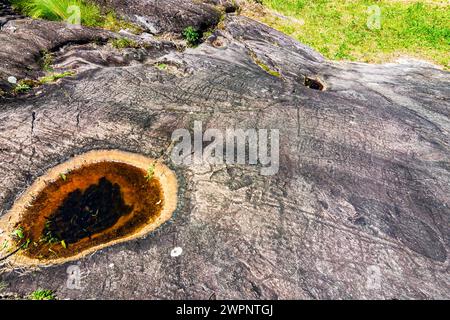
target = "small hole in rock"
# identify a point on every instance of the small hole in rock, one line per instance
(231, 8)
(314, 84)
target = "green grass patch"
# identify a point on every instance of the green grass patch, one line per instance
(113, 23)
(73, 11)
(267, 69)
(25, 85)
(264, 66)
(339, 28)
(161, 66)
(55, 76)
(41, 294)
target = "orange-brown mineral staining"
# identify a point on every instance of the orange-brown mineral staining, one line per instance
(90, 205)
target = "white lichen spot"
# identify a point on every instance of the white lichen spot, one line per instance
(176, 252)
(12, 80)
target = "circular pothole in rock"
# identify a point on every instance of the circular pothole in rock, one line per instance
(88, 203)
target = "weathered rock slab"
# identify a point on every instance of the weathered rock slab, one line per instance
(359, 208)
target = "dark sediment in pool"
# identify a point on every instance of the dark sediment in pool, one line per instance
(84, 214)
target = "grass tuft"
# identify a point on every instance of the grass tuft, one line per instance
(55, 76)
(26, 85)
(41, 294)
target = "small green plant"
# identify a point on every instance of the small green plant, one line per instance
(5, 245)
(63, 244)
(161, 66)
(46, 61)
(26, 244)
(191, 35)
(22, 87)
(48, 237)
(150, 172)
(41, 294)
(122, 43)
(63, 176)
(18, 233)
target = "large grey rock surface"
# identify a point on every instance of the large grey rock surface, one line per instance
(359, 208)
(158, 16)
